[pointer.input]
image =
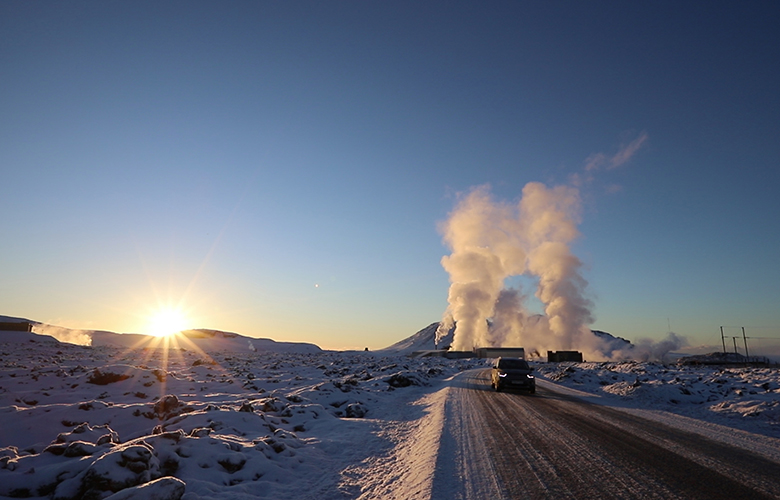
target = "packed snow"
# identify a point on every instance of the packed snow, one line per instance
(104, 421)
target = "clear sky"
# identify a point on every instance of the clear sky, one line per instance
(280, 169)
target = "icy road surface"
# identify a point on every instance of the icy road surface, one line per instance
(554, 445)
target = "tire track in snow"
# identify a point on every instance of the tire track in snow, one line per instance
(464, 470)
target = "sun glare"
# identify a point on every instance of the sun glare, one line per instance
(167, 322)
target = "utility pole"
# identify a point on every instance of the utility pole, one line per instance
(723, 339)
(747, 356)
(735, 345)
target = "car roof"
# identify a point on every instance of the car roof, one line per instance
(511, 361)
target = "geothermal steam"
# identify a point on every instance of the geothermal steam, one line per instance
(492, 241)
(79, 337)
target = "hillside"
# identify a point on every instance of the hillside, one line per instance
(199, 339)
(424, 340)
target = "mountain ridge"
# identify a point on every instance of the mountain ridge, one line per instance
(425, 340)
(199, 339)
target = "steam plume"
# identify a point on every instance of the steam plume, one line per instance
(492, 241)
(650, 350)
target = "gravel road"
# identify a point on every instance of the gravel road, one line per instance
(551, 445)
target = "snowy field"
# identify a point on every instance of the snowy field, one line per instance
(739, 397)
(87, 422)
(107, 422)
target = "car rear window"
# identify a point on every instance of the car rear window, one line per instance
(512, 364)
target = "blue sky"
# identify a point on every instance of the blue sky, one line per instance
(279, 169)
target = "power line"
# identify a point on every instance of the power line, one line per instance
(744, 339)
(752, 327)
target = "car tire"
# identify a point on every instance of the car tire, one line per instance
(533, 390)
(498, 388)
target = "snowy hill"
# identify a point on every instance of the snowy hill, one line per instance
(205, 340)
(618, 342)
(722, 358)
(12, 336)
(200, 339)
(423, 340)
(16, 337)
(13, 319)
(611, 344)
(13, 330)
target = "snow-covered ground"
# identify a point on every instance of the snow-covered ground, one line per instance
(746, 398)
(87, 422)
(92, 422)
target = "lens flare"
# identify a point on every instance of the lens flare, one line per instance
(165, 322)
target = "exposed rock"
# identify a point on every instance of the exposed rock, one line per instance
(121, 468)
(98, 377)
(165, 488)
(403, 380)
(169, 406)
(356, 410)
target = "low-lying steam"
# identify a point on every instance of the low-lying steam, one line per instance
(80, 337)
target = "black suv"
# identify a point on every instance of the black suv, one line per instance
(512, 373)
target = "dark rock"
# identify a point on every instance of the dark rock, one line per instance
(356, 410)
(104, 378)
(165, 488)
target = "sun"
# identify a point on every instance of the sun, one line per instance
(166, 322)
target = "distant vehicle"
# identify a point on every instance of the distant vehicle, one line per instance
(512, 373)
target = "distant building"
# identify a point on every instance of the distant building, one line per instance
(556, 357)
(478, 352)
(23, 326)
(499, 352)
(442, 354)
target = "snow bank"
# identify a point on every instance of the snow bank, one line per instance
(746, 398)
